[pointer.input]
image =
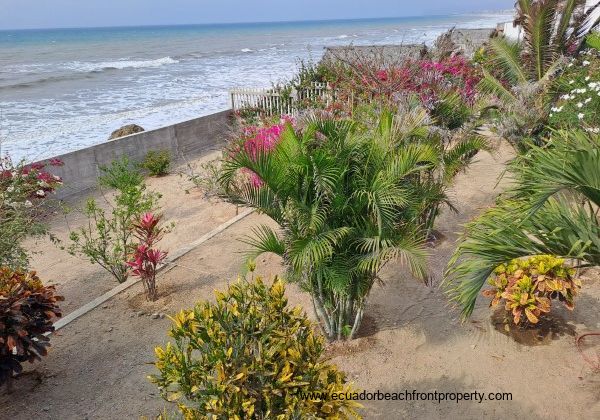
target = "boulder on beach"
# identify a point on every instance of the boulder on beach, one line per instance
(126, 130)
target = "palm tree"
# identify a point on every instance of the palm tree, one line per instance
(348, 200)
(519, 74)
(552, 208)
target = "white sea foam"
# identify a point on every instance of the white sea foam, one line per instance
(247, 50)
(119, 65)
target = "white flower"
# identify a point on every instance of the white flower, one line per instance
(586, 63)
(551, 114)
(570, 65)
(587, 78)
(580, 116)
(40, 193)
(28, 203)
(571, 82)
(10, 189)
(579, 105)
(587, 101)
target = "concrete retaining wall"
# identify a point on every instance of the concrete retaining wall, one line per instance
(186, 140)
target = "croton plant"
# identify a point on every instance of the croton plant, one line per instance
(528, 286)
(27, 312)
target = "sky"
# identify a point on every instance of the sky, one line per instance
(20, 14)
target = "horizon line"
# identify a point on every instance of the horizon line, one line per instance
(262, 22)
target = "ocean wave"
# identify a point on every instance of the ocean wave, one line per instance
(119, 65)
(77, 70)
(247, 50)
(45, 80)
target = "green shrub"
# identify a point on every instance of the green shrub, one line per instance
(108, 238)
(248, 356)
(121, 174)
(157, 163)
(27, 310)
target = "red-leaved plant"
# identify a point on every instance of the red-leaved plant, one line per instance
(27, 312)
(146, 258)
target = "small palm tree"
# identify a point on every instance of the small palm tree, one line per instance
(348, 200)
(553, 208)
(519, 74)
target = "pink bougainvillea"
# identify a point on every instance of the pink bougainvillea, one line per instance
(428, 79)
(261, 139)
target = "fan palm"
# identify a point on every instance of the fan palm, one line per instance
(551, 209)
(348, 201)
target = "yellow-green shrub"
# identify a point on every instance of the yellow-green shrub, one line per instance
(248, 356)
(528, 285)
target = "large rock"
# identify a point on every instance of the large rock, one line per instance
(126, 131)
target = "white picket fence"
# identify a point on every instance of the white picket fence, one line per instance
(275, 102)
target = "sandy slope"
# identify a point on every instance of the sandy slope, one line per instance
(98, 365)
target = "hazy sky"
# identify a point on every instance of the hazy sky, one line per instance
(83, 13)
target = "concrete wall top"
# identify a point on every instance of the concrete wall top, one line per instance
(185, 140)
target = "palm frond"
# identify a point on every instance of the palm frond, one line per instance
(541, 173)
(538, 215)
(489, 85)
(507, 59)
(566, 17)
(263, 240)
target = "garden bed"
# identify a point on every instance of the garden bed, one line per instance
(97, 365)
(79, 281)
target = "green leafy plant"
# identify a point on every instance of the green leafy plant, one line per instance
(27, 311)
(248, 356)
(528, 286)
(120, 175)
(551, 209)
(108, 238)
(348, 200)
(593, 41)
(157, 163)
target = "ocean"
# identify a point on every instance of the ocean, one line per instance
(66, 89)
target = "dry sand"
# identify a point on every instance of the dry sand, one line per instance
(410, 339)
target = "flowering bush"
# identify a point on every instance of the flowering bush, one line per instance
(528, 285)
(261, 138)
(249, 356)
(431, 81)
(146, 259)
(23, 187)
(578, 88)
(27, 311)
